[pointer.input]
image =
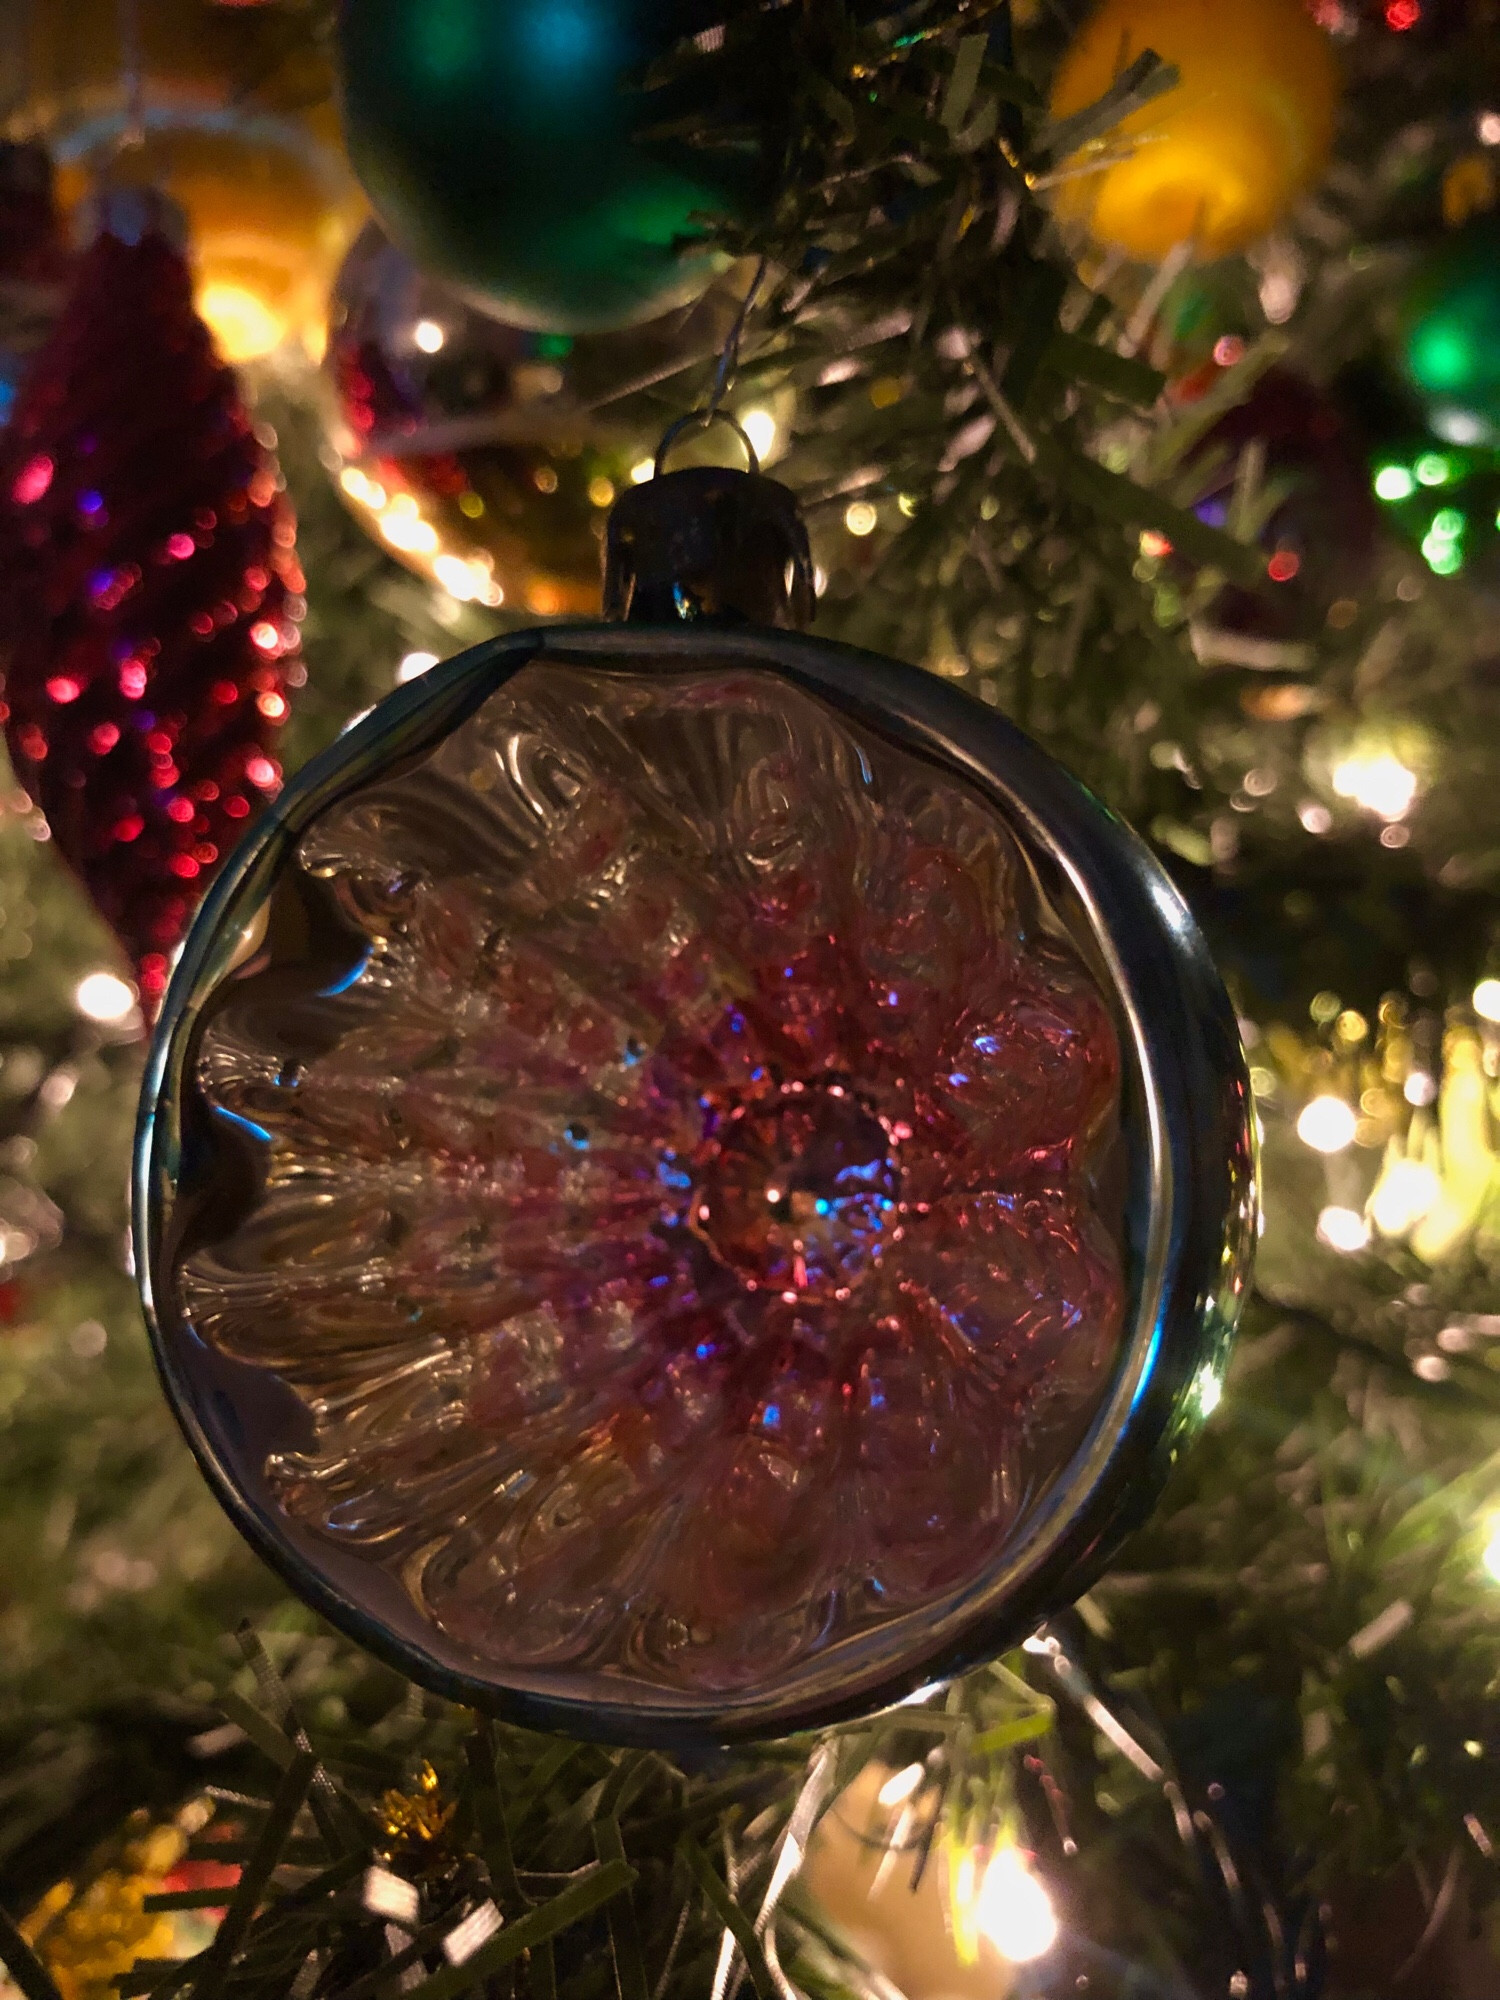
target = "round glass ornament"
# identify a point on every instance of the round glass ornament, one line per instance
(1450, 334)
(510, 147)
(691, 1180)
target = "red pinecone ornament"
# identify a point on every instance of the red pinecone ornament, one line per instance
(147, 590)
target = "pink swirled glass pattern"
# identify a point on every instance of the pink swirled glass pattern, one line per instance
(685, 1223)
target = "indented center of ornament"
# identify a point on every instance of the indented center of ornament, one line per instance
(796, 1189)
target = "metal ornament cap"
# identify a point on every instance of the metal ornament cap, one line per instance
(708, 542)
(493, 1023)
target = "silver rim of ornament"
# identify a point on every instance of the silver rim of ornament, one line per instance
(1191, 1207)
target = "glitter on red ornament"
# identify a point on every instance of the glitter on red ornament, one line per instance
(1283, 565)
(689, 1235)
(1402, 14)
(181, 810)
(32, 481)
(265, 635)
(130, 529)
(261, 771)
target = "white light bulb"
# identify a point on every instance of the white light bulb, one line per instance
(453, 573)
(1382, 785)
(1344, 1230)
(1327, 1124)
(429, 336)
(1487, 999)
(1492, 1551)
(414, 664)
(860, 517)
(1013, 1910)
(101, 997)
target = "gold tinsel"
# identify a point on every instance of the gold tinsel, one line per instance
(414, 1824)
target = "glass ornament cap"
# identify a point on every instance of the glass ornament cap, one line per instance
(686, 1179)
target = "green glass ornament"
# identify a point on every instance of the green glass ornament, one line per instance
(1451, 335)
(501, 144)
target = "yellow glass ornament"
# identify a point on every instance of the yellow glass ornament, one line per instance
(232, 116)
(88, 1942)
(270, 203)
(1218, 160)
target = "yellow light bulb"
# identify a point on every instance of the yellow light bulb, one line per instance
(1013, 1910)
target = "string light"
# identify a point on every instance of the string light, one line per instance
(1406, 1191)
(762, 430)
(1013, 1910)
(417, 538)
(100, 996)
(1327, 1124)
(1487, 999)
(1344, 1230)
(1394, 482)
(860, 517)
(414, 664)
(1492, 1551)
(429, 336)
(1442, 545)
(1380, 783)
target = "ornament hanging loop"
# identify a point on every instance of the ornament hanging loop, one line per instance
(702, 420)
